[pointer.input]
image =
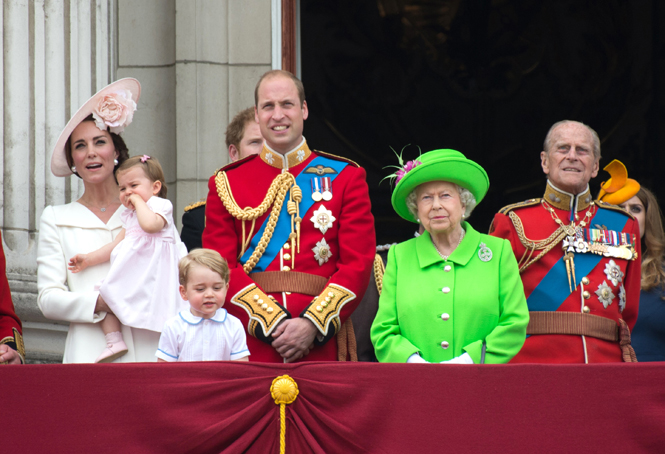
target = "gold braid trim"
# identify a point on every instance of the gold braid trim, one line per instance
(275, 197)
(379, 270)
(531, 246)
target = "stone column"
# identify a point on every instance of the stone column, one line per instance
(56, 54)
(222, 48)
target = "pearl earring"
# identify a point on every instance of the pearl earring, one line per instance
(115, 162)
(73, 169)
(418, 221)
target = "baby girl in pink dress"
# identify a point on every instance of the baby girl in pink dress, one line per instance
(141, 288)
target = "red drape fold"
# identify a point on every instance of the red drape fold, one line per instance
(361, 408)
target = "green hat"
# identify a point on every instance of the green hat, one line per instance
(438, 165)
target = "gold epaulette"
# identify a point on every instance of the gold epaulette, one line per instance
(337, 158)
(379, 271)
(527, 203)
(194, 205)
(609, 206)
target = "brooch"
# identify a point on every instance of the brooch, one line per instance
(320, 170)
(323, 219)
(484, 253)
(605, 294)
(322, 251)
(613, 272)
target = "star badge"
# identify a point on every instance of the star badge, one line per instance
(622, 298)
(323, 219)
(605, 294)
(322, 251)
(613, 272)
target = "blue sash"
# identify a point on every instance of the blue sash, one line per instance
(283, 226)
(553, 290)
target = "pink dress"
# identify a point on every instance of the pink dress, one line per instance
(142, 285)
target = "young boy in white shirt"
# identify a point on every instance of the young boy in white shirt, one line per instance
(206, 332)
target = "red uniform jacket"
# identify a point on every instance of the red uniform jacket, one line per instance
(10, 325)
(538, 224)
(345, 251)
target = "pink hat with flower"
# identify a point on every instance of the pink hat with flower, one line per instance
(112, 107)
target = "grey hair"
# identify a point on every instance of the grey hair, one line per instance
(467, 199)
(596, 140)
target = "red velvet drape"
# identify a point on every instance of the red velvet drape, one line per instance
(341, 408)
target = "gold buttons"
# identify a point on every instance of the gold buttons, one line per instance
(286, 268)
(269, 310)
(319, 308)
(331, 294)
(260, 301)
(287, 256)
(586, 309)
(256, 297)
(324, 304)
(586, 295)
(287, 246)
(264, 306)
(327, 299)
(585, 280)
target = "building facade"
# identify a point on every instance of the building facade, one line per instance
(197, 61)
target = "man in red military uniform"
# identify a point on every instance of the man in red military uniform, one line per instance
(296, 228)
(11, 338)
(578, 258)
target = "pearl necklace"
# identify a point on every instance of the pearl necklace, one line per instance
(445, 257)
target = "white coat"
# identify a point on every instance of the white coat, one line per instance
(67, 230)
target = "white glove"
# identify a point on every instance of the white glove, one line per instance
(416, 358)
(461, 359)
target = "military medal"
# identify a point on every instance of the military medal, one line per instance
(622, 298)
(613, 273)
(327, 189)
(605, 294)
(323, 219)
(316, 189)
(484, 253)
(322, 251)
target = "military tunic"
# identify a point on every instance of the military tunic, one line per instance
(603, 286)
(10, 325)
(336, 244)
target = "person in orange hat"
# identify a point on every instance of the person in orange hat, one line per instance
(648, 335)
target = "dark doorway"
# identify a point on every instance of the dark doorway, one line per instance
(487, 78)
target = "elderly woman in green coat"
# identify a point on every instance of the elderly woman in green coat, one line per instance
(451, 295)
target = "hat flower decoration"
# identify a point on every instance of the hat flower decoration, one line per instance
(403, 168)
(115, 111)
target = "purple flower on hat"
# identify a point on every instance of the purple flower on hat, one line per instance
(408, 167)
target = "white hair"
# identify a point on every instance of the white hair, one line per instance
(594, 135)
(467, 199)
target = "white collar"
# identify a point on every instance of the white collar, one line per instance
(187, 316)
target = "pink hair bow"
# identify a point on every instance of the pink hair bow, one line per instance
(144, 158)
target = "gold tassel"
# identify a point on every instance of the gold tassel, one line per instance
(284, 391)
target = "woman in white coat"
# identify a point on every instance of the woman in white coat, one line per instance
(90, 148)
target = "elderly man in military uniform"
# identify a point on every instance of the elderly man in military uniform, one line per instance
(243, 138)
(578, 258)
(296, 228)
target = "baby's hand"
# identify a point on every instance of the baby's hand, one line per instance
(78, 263)
(134, 199)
